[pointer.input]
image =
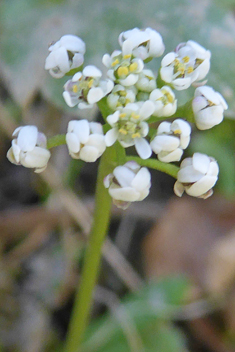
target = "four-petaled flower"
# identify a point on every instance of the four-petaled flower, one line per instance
(189, 63)
(128, 183)
(208, 107)
(171, 140)
(164, 101)
(129, 127)
(197, 176)
(144, 44)
(85, 140)
(65, 55)
(123, 69)
(86, 88)
(29, 148)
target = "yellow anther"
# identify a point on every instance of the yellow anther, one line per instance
(133, 67)
(122, 93)
(122, 131)
(115, 62)
(135, 116)
(122, 71)
(90, 84)
(177, 131)
(181, 69)
(75, 89)
(190, 69)
(127, 56)
(177, 62)
(186, 59)
(136, 135)
(122, 115)
(168, 96)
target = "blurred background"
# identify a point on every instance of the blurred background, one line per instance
(167, 281)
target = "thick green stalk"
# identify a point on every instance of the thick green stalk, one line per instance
(83, 300)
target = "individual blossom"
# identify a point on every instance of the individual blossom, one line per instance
(120, 96)
(29, 148)
(146, 81)
(86, 88)
(208, 107)
(189, 63)
(129, 127)
(164, 101)
(128, 183)
(197, 176)
(144, 44)
(123, 69)
(65, 55)
(85, 140)
(171, 139)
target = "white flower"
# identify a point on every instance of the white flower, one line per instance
(164, 101)
(121, 96)
(189, 63)
(29, 148)
(128, 183)
(86, 88)
(197, 176)
(171, 139)
(85, 140)
(65, 55)
(146, 81)
(208, 107)
(144, 44)
(129, 127)
(123, 69)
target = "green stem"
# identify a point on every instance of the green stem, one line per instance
(169, 169)
(55, 141)
(83, 299)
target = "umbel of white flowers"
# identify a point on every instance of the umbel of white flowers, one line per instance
(132, 98)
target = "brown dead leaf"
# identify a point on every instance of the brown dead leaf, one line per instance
(182, 240)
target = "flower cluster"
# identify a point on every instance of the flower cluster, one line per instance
(136, 101)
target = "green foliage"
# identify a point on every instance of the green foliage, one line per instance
(148, 313)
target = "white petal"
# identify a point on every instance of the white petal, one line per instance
(94, 95)
(142, 179)
(167, 143)
(147, 109)
(73, 43)
(188, 174)
(168, 157)
(178, 188)
(112, 119)
(143, 148)
(70, 101)
(127, 194)
(37, 158)
(111, 137)
(202, 186)
(27, 138)
(201, 162)
(72, 142)
(130, 80)
(89, 154)
(82, 130)
(91, 71)
(123, 175)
